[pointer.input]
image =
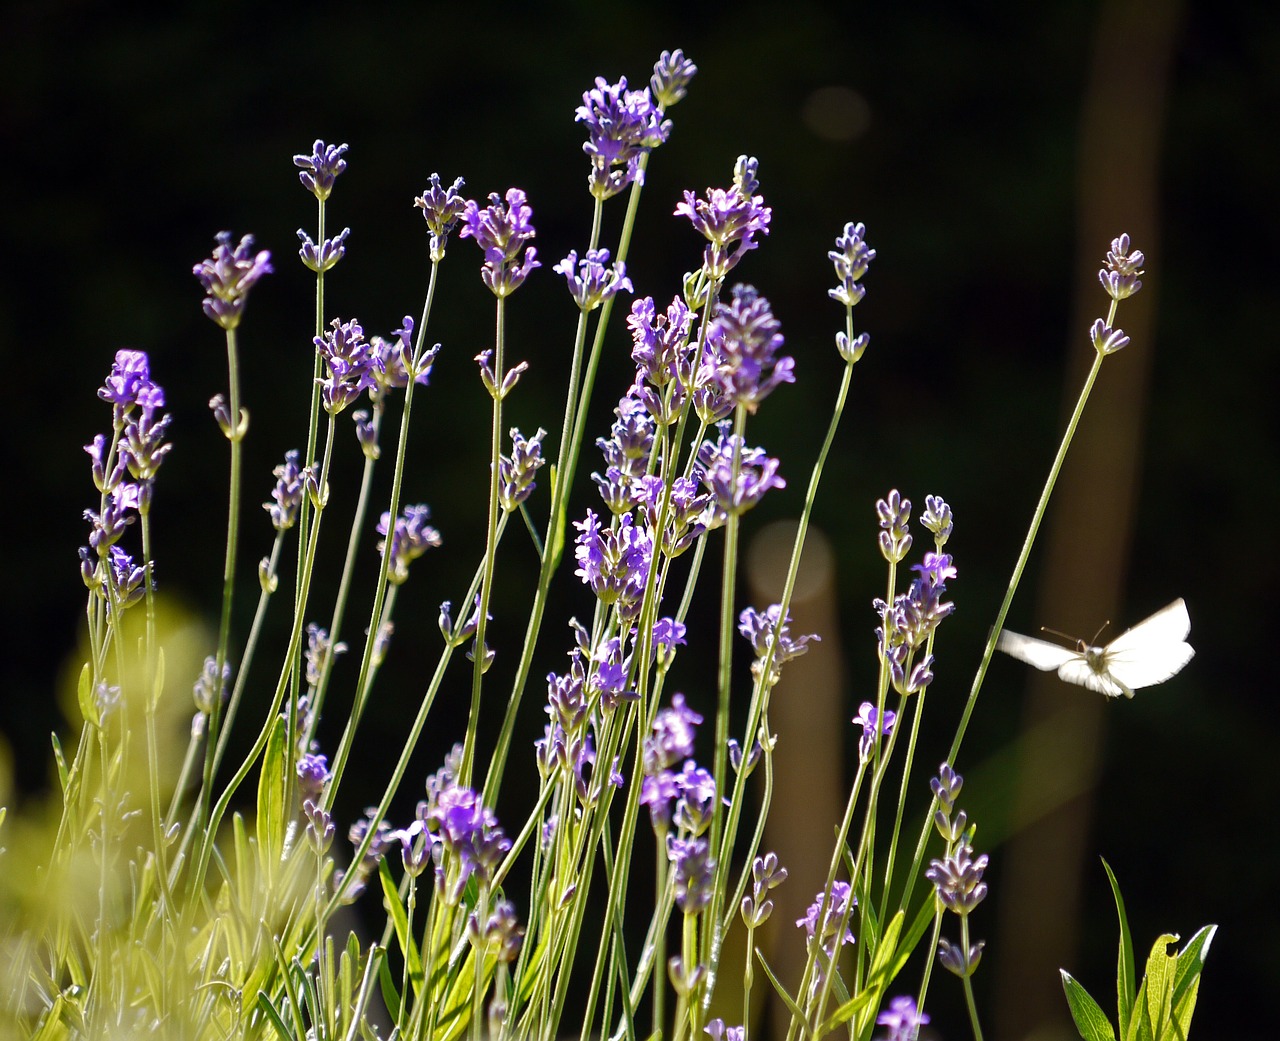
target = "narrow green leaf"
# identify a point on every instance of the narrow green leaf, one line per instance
(64, 775)
(271, 791)
(1126, 972)
(1159, 980)
(277, 1020)
(1091, 1021)
(845, 1012)
(401, 922)
(787, 999)
(1140, 1020)
(84, 695)
(1191, 961)
(1183, 1009)
(390, 995)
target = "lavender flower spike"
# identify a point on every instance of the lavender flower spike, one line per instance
(411, 537)
(729, 219)
(227, 277)
(671, 75)
(851, 257)
(622, 125)
(321, 168)
(1120, 277)
(502, 231)
(591, 281)
(441, 208)
(903, 1019)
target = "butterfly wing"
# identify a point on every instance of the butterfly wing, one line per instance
(1152, 651)
(1078, 670)
(1040, 654)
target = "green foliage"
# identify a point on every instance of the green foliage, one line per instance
(1162, 1006)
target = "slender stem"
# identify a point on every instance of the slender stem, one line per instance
(1018, 568)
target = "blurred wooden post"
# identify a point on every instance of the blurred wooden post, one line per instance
(1090, 524)
(809, 715)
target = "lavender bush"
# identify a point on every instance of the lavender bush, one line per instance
(172, 902)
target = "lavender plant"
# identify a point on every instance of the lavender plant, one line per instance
(177, 905)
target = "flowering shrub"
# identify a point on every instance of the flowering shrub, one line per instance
(165, 905)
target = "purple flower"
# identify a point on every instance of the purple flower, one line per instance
(286, 496)
(567, 700)
(671, 739)
(516, 471)
(210, 691)
(324, 256)
(766, 874)
(321, 168)
(667, 635)
(851, 258)
(902, 1019)
(1120, 276)
(694, 872)
(320, 650)
(591, 280)
(502, 232)
(894, 513)
(320, 828)
(867, 719)
(622, 125)
(469, 831)
(394, 362)
(729, 219)
(955, 959)
(119, 510)
(313, 775)
(660, 342)
(937, 519)
(719, 1032)
(762, 628)
(349, 364)
(957, 879)
(1107, 340)
(630, 440)
(741, 350)
(124, 578)
(227, 277)
(411, 537)
(671, 75)
(736, 476)
(501, 935)
(144, 446)
(911, 619)
(614, 562)
(827, 932)
(130, 377)
(441, 208)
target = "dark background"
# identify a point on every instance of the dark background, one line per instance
(979, 149)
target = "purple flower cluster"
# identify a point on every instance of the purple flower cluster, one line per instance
(517, 470)
(902, 1018)
(822, 928)
(736, 476)
(394, 364)
(591, 280)
(614, 561)
(671, 739)
(740, 365)
(411, 537)
(286, 496)
(946, 789)
(728, 218)
(349, 364)
(210, 690)
(320, 651)
(502, 232)
(313, 775)
(1123, 266)
(470, 835)
(694, 872)
(321, 168)
(894, 515)
(685, 797)
(227, 277)
(622, 125)
(910, 621)
(441, 208)
(137, 448)
(324, 256)
(761, 629)
(662, 353)
(671, 75)
(766, 875)
(501, 934)
(872, 728)
(957, 879)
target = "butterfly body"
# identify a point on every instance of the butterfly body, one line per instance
(1149, 653)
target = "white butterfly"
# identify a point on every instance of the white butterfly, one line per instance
(1152, 651)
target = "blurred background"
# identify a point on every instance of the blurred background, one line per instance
(992, 153)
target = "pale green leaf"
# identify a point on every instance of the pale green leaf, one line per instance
(1126, 971)
(84, 695)
(157, 688)
(276, 1019)
(401, 922)
(1090, 1020)
(787, 999)
(1159, 981)
(1191, 960)
(271, 810)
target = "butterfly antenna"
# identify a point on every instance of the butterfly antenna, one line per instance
(1101, 629)
(1059, 633)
